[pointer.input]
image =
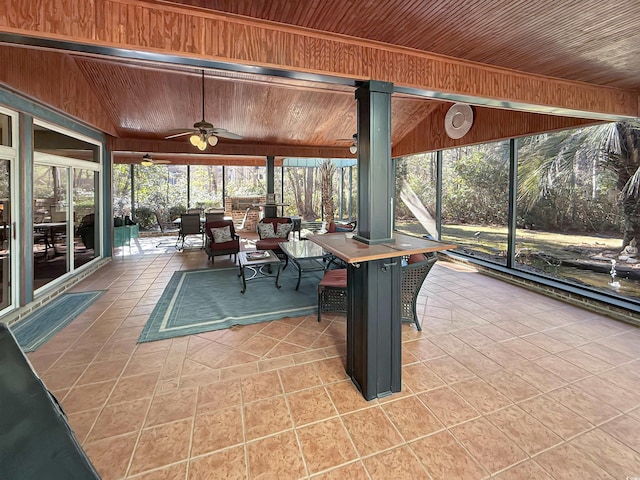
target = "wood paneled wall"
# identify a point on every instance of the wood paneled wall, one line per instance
(197, 33)
(54, 79)
(489, 124)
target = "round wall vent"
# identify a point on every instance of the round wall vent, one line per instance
(458, 120)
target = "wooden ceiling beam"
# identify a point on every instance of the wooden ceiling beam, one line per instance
(117, 144)
(200, 34)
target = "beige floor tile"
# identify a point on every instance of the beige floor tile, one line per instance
(331, 370)
(111, 456)
(511, 386)
(449, 369)
(537, 376)
(260, 386)
(626, 429)
(310, 405)
(444, 458)
(608, 453)
(172, 406)
(171, 472)
(566, 463)
(299, 377)
(525, 470)
(490, 447)
(278, 457)
(448, 406)
(223, 465)
(555, 416)
(524, 430)
(396, 463)
(120, 418)
(584, 404)
(371, 430)
(134, 388)
(585, 361)
(266, 417)
(419, 378)
(326, 444)
(86, 397)
(563, 369)
(609, 393)
(482, 396)
(411, 418)
(346, 397)
(216, 430)
(220, 395)
(162, 445)
(352, 471)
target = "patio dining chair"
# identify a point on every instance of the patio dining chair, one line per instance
(189, 225)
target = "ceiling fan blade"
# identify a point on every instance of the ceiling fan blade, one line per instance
(224, 133)
(179, 134)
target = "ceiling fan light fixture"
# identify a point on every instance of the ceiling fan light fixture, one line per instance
(146, 160)
(354, 146)
(212, 140)
(195, 140)
(202, 145)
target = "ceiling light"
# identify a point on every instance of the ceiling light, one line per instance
(202, 145)
(195, 140)
(212, 140)
(354, 146)
(146, 160)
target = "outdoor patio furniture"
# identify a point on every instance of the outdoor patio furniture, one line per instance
(189, 225)
(341, 227)
(271, 237)
(413, 275)
(332, 292)
(219, 244)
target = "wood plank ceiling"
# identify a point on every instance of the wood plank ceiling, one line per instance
(141, 102)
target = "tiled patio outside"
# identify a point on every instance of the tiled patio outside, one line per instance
(502, 383)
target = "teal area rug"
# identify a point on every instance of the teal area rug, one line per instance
(203, 300)
(38, 327)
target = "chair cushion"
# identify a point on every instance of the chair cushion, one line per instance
(265, 230)
(283, 230)
(221, 234)
(415, 258)
(334, 278)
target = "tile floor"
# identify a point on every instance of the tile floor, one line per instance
(502, 383)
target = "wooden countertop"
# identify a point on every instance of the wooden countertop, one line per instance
(353, 251)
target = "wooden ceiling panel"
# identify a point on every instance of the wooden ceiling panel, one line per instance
(595, 41)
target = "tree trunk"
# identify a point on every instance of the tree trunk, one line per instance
(326, 171)
(631, 227)
(308, 213)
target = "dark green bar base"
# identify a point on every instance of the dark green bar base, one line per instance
(374, 339)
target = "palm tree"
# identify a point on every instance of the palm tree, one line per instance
(553, 159)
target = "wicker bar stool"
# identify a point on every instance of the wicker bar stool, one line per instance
(332, 292)
(413, 275)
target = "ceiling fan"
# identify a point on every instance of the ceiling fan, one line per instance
(204, 133)
(353, 148)
(147, 161)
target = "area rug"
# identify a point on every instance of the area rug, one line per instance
(203, 300)
(37, 328)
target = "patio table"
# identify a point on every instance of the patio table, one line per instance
(306, 256)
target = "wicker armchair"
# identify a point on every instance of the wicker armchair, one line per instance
(413, 275)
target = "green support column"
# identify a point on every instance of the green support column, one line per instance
(373, 320)
(271, 212)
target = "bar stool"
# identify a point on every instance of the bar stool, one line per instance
(332, 292)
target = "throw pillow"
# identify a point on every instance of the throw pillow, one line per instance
(283, 230)
(221, 234)
(265, 230)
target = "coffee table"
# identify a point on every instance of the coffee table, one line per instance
(306, 256)
(256, 261)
